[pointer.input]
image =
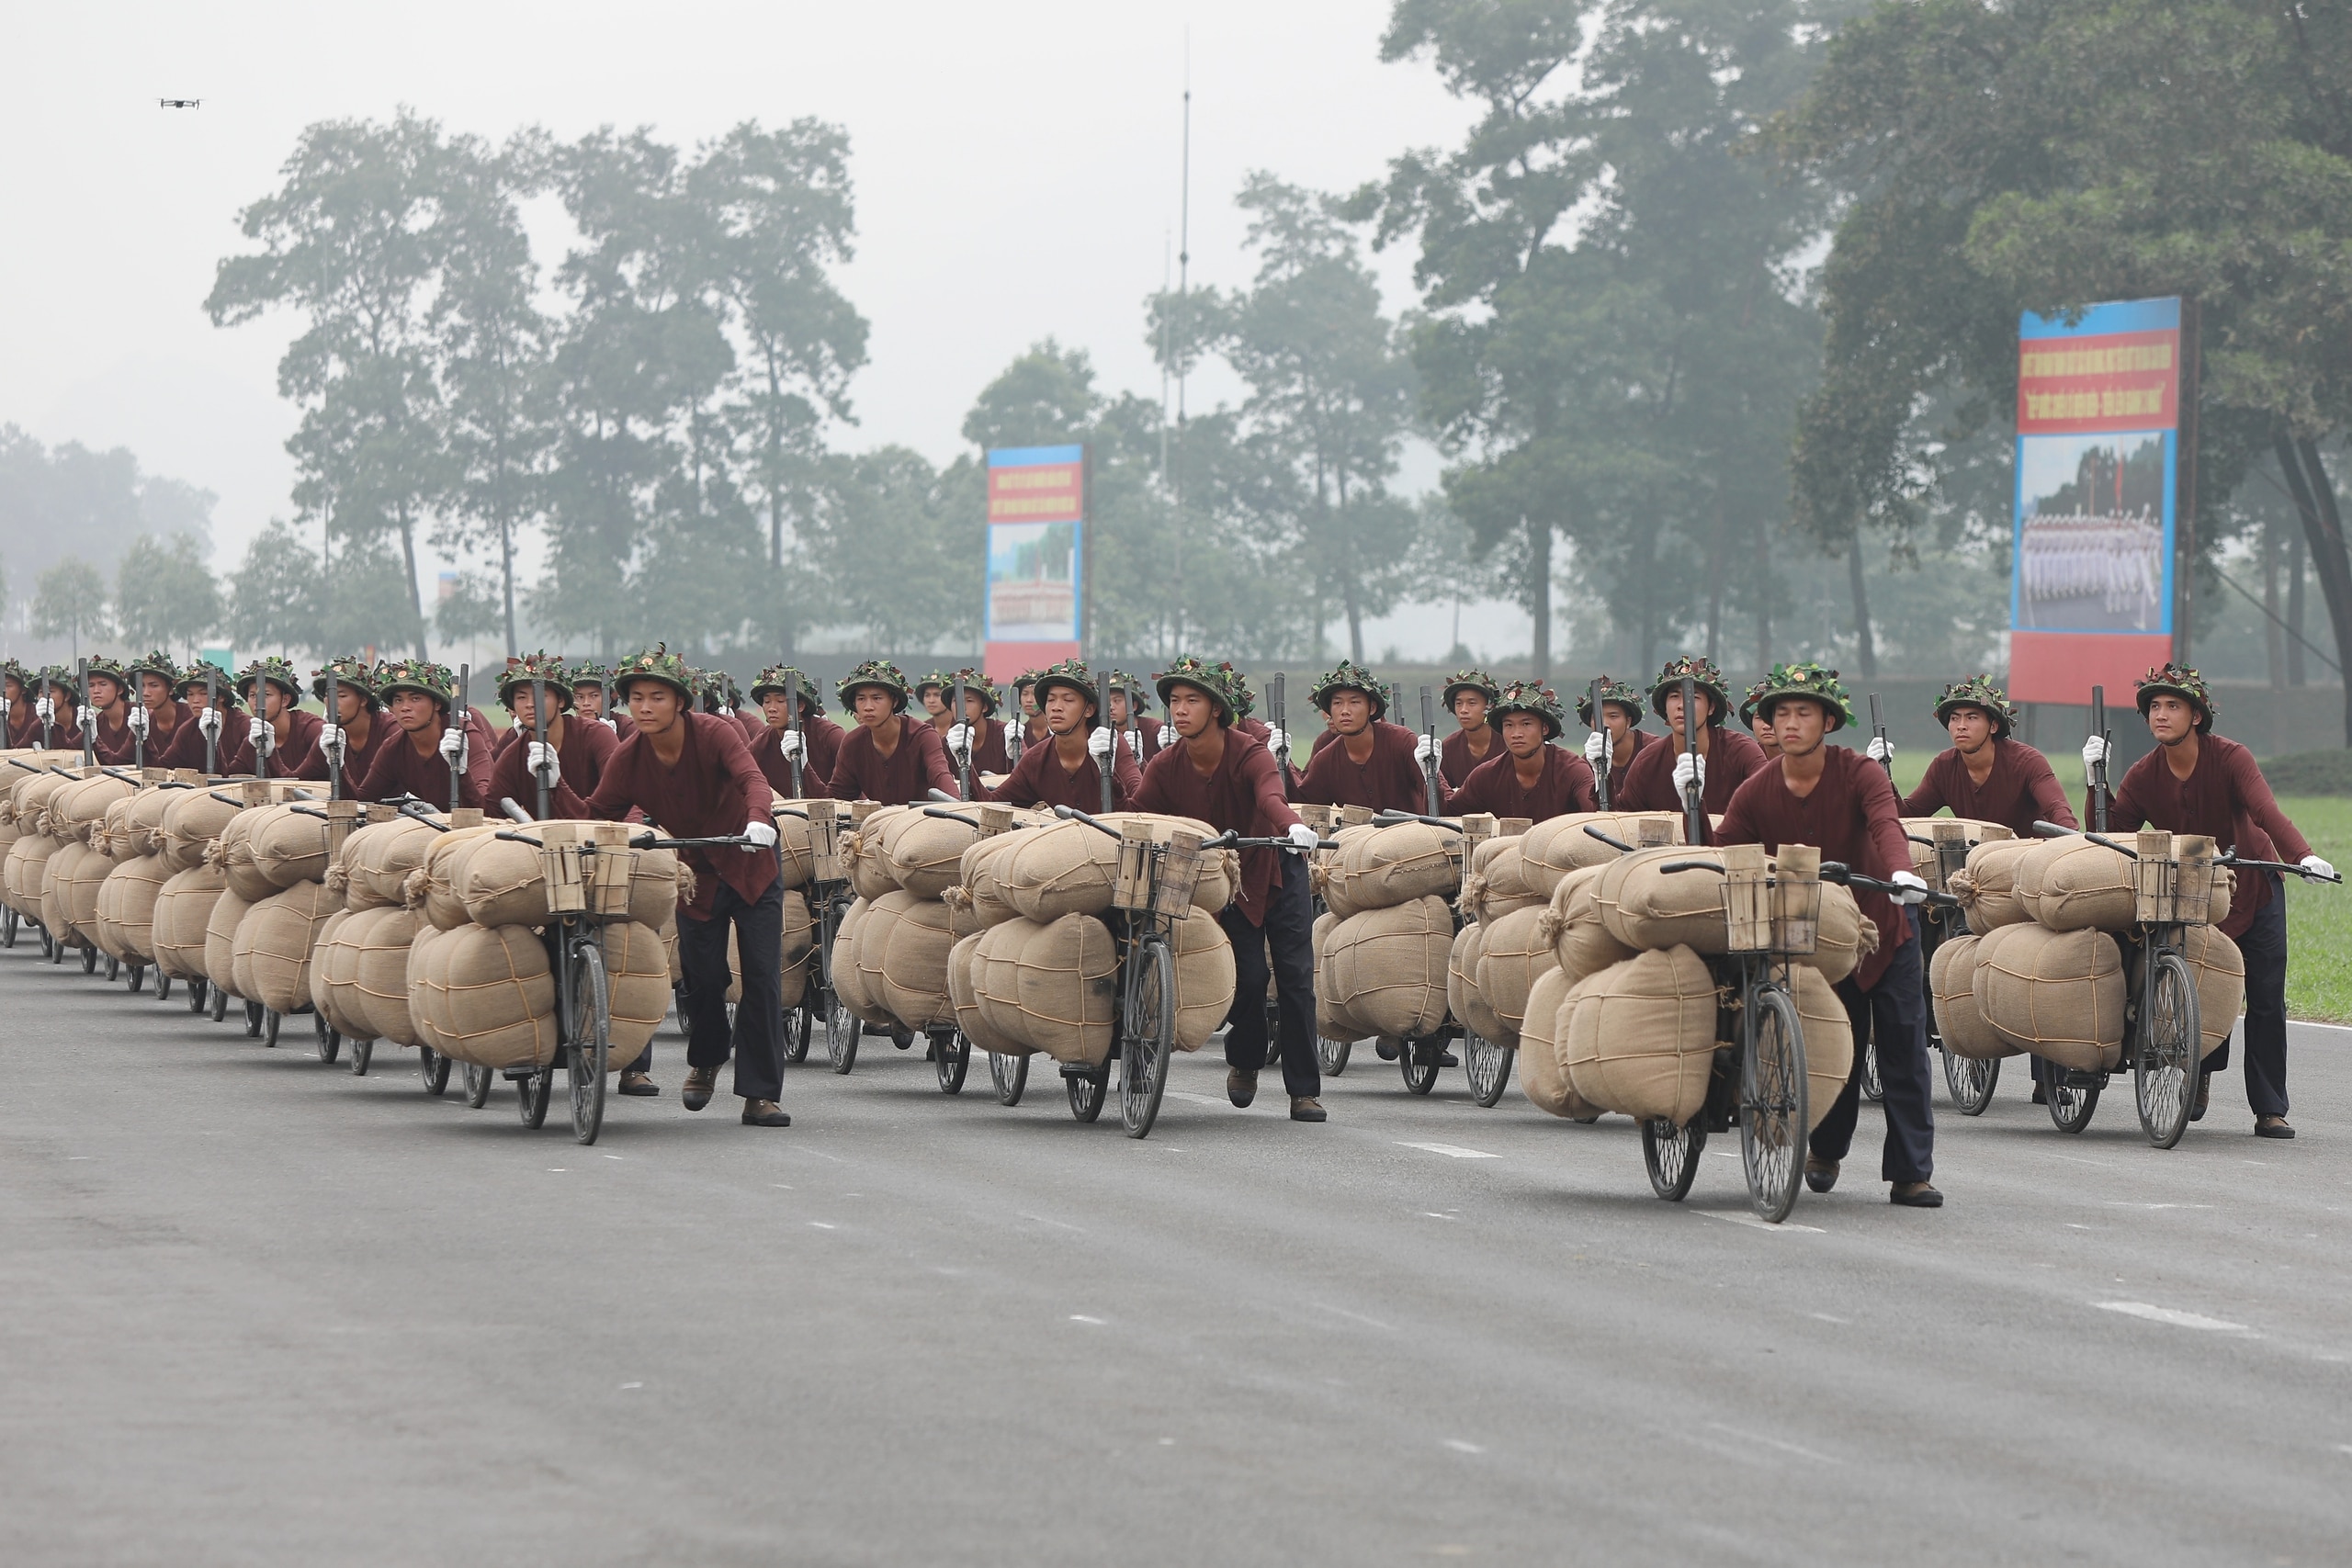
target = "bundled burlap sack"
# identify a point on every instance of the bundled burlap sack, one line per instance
(1394, 865)
(377, 858)
(2057, 994)
(220, 941)
(1463, 1001)
(271, 951)
(1987, 888)
(1558, 845)
(1828, 1042)
(34, 796)
(335, 969)
(385, 939)
(1541, 1077)
(431, 888)
(114, 834)
(1065, 979)
(77, 871)
(996, 982)
(963, 991)
(1512, 956)
(913, 963)
(1220, 870)
(126, 909)
(1386, 966)
(1067, 869)
(1644, 907)
(977, 888)
(849, 975)
(1842, 938)
(925, 853)
(637, 989)
(799, 944)
(286, 845)
(485, 994)
(2073, 884)
(193, 822)
(183, 908)
(83, 803)
(1332, 1020)
(794, 838)
(28, 872)
(1923, 855)
(1639, 1037)
(144, 822)
(2218, 968)
(1497, 883)
(499, 882)
(1952, 981)
(870, 875)
(1204, 978)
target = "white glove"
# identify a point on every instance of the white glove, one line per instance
(959, 741)
(543, 765)
(1596, 746)
(762, 834)
(453, 748)
(2319, 867)
(331, 743)
(611, 724)
(1690, 771)
(1099, 743)
(1303, 837)
(2095, 751)
(1424, 749)
(139, 720)
(1277, 741)
(1911, 890)
(1878, 751)
(45, 708)
(209, 721)
(791, 744)
(261, 736)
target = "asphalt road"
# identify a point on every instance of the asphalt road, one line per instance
(258, 1311)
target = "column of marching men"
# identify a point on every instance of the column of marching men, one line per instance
(650, 740)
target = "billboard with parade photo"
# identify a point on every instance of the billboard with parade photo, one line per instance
(1035, 612)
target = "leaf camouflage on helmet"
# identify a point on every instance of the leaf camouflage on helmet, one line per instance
(1476, 681)
(540, 666)
(1612, 690)
(1702, 673)
(1221, 682)
(1811, 679)
(418, 675)
(2184, 684)
(352, 671)
(279, 672)
(1069, 673)
(1350, 676)
(1529, 697)
(1978, 691)
(879, 672)
(655, 663)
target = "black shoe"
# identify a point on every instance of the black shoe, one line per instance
(2272, 1127)
(1821, 1175)
(1387, 1049)
(2204, 1094)
(902, 1038)
(2040, 1095)
(1239, 1087)
(1305, 1107)
(765, 1113)
(1915, 1195)
(700, 1083)
(637, 1083)
(1448, 1059)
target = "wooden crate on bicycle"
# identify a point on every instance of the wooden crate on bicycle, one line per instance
(2172, 882)
(586, 867)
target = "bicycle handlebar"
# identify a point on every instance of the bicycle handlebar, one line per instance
(949, 816)
(2232, 860)
(1072, 814)
(1620, 845)
(1385, 818)
(1847, 877)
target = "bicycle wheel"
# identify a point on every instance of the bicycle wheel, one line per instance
(362, 1052)
(138, 977)
(2165, 1059)
(162, 986)
(2071, 1107)
(114, 968)
(1971, 1081)
(1672, 1155)
(1147, 1034)
(590, 1042)
(1488, 1066)
(478, 1082)
(842, 1029)
(532, 1094)
(798, 1025)
(952, 1054)
(90, 961)
(270, 1019)
(1874, 1086)
(254, 1016)
(1771, 1103)
(1420, 1077)
(8, 918)
(329, 1039)
(1011, 1075)
(1331, 1056)
(1087, 1093)
(435, 1067)
(678, 1007)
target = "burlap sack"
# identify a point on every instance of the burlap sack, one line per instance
(1463, 1003)
(2219, 970)
(976, 874)
(1923, 856)
(431, 888)
(1325, 878)
(499, 882)
(334, 966)
(1204, 978)
(1514, 955)
(1558, 845)
(53, 913)
(125, 913)
(1842, 937)
(1067, 869)
(183, 908)
(798, 944)
(114, 835)
(1396, 865)
(85, 803)
(1951, 982)
(1645, 906)
(385, 940)
(78, 872)
(192, 822)
(798, 852)
(1540, 1075)
(27, 870)
(1987, 888)
(925, 853)
(484, 993)
(1497, 883)
(272, 946)
(1387, 966)
(996, 982)
(144, 821)
(962, 990)
(914, 963)
(856, 983)
(1828, 1042)
(1068, 997)
(2073, 884)
(1220, 870)
(1332, 1020)
(2057, 994)
(870, 875)
(288, 845)
(637, 986)
(377, 858)
(1580, 938)
(1639, 1037)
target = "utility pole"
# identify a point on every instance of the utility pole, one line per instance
(1183, 285)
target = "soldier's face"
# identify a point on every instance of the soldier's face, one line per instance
(778, 706)
(874, 706)
(589, 699)
(1969, 729)
(104, 692)
(348, 706)
(1067, 712)
(1761, 728)
(1470, 709)
(1620, 723)
(654, 706)
(523, 702)
(1801, 724)
(2170, 719)
(1028, 701)
(974, 709)
(1350, 712)
(932, 702)
(1118, 709)
(1192, 712)
(154, 691)
(414, 711)
(1523, 734)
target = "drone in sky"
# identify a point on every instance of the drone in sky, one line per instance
(181, 103)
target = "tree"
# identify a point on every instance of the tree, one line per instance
(165, 594)
(275, 592)
(67, 500)
(71, 602)
(894, 561)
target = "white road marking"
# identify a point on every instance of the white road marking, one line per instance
(1199, 1099)
(1055, 1224)
(629, 1385)
(2172, 1316)
(2122, 1204)
(1826, 1318)
(1733, 1216)
(1356, 1317)
(612, 1157)
(1458, 1446)
(1800, 1452)
(1082, 1317)
(820, 1225)
(555, 1170)
(1452, 1151)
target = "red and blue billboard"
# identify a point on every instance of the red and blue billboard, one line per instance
(1036, 561)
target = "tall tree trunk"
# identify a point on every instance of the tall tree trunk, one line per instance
(2316, 499)
(415, 600)
(1716, 602)
(2274, 643)
(1760, 587)
(1865, 646)
(2298, 568)
(507, 580)
(1539, 595)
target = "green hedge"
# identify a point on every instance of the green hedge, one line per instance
(2310, 773)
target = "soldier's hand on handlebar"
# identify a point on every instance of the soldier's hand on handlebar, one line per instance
(1910, 889)
(2314, 866)
(1304, 838)
(762, 835)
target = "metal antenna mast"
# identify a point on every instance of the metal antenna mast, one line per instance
(1183, 278)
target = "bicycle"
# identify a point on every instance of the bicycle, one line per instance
(1969, 1080)
(830, 897)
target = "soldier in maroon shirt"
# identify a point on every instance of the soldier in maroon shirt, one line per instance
(353, 729)
(57, 711)
(987, 755)
(205, 731)
(776, 692)
(16, 691)
(890, 757)
(1129, 702)
(573, 761)
(420, 698)
(1529, 776)
(2196, 782)
(690, 772)
(1215, 774)
(1470, 695)
(279, 731)
(1368, 764)
(1839, 802)
(1616, 735)
(1986, 774)
(588, 681)
(155, 714)
(113, 741)
(1067, 769)
(1761, 727)
(1032, 719)
(1657, 777)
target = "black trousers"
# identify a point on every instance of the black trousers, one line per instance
(2265, 947)
(757, 1039)
(1290, 931)
(1893, 1013)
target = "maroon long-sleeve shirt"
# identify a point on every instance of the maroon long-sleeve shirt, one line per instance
(711, 790)
(356, 758)
(1564, 785)
(1389, 780)
(1456, 762)
(186, 748)
(2224, 797)
(911, 772)
(1732, 759)
(1851, 816)
(111, 740)
(2019, 789)
(582, 754)
(292, 755)
(1636, 742)
(1243, 793)
(1039, 778)
(399, 770)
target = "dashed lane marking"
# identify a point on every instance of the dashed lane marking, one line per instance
(2172, 1316)
(1450, 1151)
(1735, 1217)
